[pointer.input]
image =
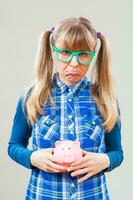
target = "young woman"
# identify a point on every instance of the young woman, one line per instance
(65, 105)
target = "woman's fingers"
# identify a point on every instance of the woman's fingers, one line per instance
(51, 170)
(57, 166)
(82, 163)
(49, 166)
(45, 160)
(84, 159)
(80, 171)
(52, 162)
(53, 158)
(88, 175)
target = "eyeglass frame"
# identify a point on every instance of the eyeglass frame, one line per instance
(74, 53)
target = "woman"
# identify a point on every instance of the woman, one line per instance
(65, 105)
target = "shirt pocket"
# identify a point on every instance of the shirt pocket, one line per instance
(47, 129)
(93, 132)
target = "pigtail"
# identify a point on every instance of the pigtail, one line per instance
(43, 79)
(103, 90)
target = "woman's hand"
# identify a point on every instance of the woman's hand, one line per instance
(90, 164)
(45, 160)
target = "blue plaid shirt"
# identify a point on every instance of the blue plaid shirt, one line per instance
(74, 117)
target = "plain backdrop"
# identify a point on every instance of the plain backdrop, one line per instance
(21, 23)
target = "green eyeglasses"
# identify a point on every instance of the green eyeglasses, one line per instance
(65, 55)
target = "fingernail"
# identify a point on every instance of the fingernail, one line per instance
(56, 170)
(69, 169)
(72, 174)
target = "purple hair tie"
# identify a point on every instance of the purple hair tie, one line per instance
(99, 34)
(52, 29)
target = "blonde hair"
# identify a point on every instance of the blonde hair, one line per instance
(76, 33)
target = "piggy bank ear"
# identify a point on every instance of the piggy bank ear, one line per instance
(76, 144)
(57, 143)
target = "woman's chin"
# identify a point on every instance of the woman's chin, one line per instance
(72, 79)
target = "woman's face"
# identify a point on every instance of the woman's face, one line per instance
(71, 72)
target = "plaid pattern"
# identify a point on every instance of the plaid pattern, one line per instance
(75, 117)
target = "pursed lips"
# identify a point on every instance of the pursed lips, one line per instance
(72, 73)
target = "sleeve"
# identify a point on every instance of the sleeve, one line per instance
(19, 139)
(114, 147)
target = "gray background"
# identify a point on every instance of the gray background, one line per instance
(21, 22)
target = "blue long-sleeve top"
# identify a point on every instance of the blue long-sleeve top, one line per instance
(21, 132)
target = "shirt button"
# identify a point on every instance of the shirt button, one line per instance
(72, 185)
(70, 100)
(69, 90)
(93, 123)
(71, 132)
(70, 116)
(47, 121)
(69, 126)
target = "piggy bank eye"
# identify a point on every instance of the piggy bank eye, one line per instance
(62, 149)
(69, 148)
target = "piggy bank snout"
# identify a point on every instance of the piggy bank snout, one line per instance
(68, 158)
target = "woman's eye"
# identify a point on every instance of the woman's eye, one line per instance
(83, 54)
(66, 52)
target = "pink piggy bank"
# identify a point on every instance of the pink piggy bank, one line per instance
(67, 151)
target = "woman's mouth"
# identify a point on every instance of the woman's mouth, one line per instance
(72, 74)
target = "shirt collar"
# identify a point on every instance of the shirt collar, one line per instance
(62, 87)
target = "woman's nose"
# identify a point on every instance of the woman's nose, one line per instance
(74, 61)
